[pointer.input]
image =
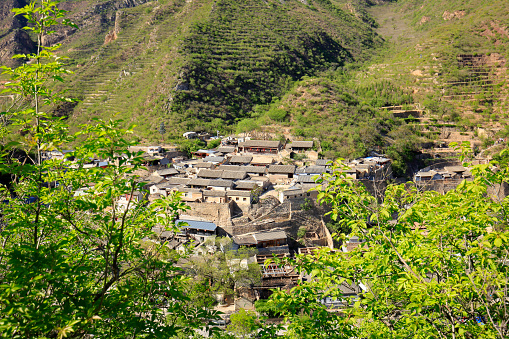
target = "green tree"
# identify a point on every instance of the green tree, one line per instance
(74, 256)
(243, 324)
(162, 130)
(432, 266)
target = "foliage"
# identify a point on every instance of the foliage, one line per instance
(189, 146)
(432, 266)
(225, 269)
(213, 143)
(74, 261)
(243, 324)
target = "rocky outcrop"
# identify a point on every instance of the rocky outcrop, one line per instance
(16, 42)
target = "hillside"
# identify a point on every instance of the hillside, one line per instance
(402, 77)
(198, 64)
(440, 77)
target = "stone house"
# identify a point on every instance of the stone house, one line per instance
(260, 146)
(301, 146)
(240, 197)
(213, 196)
(281, 173)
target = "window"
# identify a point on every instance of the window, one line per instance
(243, 199)
(237, 198)
(309, 194)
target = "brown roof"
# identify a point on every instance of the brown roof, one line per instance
(302, 144)
(260, 143)
(285, 169)
(262, 159)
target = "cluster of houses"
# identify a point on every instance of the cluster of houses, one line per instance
(236, 175)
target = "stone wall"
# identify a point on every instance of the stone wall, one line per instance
(220, 214)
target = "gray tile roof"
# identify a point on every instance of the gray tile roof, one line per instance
(237, 193)
(306, 179)
(322, 162)
(241, 159)
(167, 171)
(206, 173)
(220, 183)
(269, 235)
(260, 143)
(237, 175)
(302, 144)
(246, 185)
(212, 193)
(226, 149)
(247, 169)
(199, 182)
(204, 165)
(178, 181)
(285, 169)
(213, 159)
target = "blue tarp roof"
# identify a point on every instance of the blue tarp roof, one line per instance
(198, 225)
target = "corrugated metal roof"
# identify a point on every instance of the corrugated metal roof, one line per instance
(282, 169)
(198, 225)
(302, 144)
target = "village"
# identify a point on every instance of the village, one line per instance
(262, 195)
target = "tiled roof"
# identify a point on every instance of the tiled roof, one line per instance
(199, 182)
(260, 143)
(302, 144)
(238, 175)
(204, 165)
(269, 235)
(213, 159)
(237, 193)
(306, 178)
(246, 185)
(167, 171)
(206, 173)
(212, 193)
(221, 183)
(322, 162)
(247, 169)
(226, 149)
(282, 169)
(178, 181)
(241, 159)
